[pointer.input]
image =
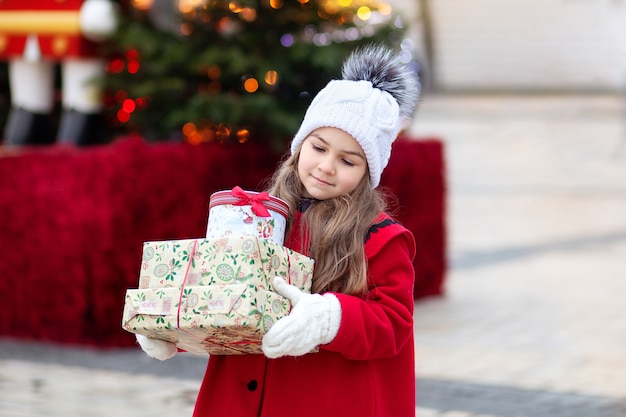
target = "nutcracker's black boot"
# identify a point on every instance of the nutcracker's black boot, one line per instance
(81, 129)
(27, 128)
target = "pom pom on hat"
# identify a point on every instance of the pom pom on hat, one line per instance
(373, 100)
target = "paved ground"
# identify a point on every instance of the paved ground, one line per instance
(533, 323)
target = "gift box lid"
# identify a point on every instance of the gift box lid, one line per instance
(239, 197)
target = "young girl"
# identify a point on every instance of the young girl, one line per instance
(347, 348)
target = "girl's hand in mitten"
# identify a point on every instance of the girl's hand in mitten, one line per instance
(157, 349)
(314, 320)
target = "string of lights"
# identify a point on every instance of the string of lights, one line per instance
(214, 70)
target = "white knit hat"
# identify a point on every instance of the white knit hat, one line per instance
(371, 103)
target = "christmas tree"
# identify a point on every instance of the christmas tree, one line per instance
(234, 71)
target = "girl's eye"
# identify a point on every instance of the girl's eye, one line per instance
(348, 163)
(318, 148)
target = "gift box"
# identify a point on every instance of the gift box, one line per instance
(237, 213)
(213, 295)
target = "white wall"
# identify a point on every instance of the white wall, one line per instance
(526, 44)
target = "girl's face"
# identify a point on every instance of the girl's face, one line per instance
(331, 163)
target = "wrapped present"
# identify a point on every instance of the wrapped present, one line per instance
(239, 213)
(213, 295)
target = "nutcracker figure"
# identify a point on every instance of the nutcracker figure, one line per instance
(36, 35)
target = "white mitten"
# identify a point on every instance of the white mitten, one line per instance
(157, 349)
(314, 320)
(98, 19)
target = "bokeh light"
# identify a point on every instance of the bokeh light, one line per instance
(364, 13)
(243, 135)
(133, 66)
(287, 40)
(120, 96)
(214, 72)
(222, 133)
(276, 4)
(129, 105)
(123, 116)
(271, 77)
(189, 6)
(251, 85)
(141, 4)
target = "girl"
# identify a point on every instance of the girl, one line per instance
(347, 348)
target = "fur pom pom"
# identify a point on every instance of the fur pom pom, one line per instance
(382, 67)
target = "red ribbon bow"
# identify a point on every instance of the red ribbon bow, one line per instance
(254, 200)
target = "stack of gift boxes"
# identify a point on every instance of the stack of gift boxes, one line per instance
(215, 294)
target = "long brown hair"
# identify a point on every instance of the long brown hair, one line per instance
(336, 229)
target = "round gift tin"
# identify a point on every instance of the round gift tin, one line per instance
(238, 212)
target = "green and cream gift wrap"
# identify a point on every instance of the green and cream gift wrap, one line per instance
(213, 295)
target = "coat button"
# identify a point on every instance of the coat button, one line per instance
(252, 385)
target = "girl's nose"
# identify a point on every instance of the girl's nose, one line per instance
(326, 165)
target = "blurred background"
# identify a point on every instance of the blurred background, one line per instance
(197, 53)
(515, 188)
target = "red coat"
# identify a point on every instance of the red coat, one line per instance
(54, 23)
(367, 370)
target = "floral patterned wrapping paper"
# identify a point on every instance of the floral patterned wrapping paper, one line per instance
(213, 295)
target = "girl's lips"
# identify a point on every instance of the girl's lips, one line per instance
(321, 181)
